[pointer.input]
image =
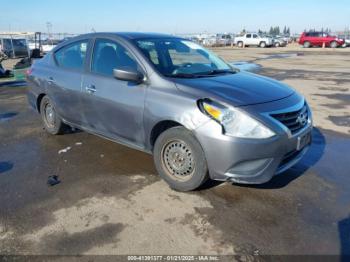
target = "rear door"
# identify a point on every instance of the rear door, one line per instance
(256, 39)
(112, 107)
(64, 80)
(248, 40)
(325, 38)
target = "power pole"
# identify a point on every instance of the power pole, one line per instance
(49, 29)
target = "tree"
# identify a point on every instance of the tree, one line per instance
(278, 31)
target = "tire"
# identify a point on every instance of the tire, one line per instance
(180, 160)
(262, 44)
(333, 44)
(240, 44)
(51, 121)
(277, 44)
(307, 44)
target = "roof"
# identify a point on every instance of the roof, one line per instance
(138, 35)
(132, 35)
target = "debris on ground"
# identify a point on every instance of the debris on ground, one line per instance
(78, 143)
(64, 150)
(53, 180)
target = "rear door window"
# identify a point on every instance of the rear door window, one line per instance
(72, 56)
(249, 36)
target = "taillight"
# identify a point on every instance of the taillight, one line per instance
(29, 71)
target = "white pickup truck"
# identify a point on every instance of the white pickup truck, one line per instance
(253, 39)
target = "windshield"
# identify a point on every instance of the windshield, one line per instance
(182, 58)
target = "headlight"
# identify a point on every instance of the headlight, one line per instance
(235, 122)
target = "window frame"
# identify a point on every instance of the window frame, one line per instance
(83, 69)
(113, 40)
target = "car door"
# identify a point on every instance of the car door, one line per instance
(248, 39)
(324, 38)
(256, 39)
(112, 107)
(315, 39)
(64, 80)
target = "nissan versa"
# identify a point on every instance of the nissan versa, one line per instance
(198, 116)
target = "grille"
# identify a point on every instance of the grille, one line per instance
(295, 120)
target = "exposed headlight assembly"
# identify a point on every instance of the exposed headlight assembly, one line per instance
(235, 122)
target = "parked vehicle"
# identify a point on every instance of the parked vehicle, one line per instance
(310, 39)
(14, 47)
(253, 39)
(224, 39)
(279, 42)
(3, 71)
(198, 116)
(346, 43)
(346, 40)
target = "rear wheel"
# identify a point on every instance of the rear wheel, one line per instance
(52, 122)
(277, 44)
(180, 160)
(262, 44)
(334, 44)
(307, 44)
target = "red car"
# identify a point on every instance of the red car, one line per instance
(318, 38)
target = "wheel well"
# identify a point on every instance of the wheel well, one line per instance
(160, 128)
(38, 101)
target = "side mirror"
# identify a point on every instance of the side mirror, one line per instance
(128, 74)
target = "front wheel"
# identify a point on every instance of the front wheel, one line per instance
(240, 44)
(52, 122)
(307, 44)
(334, 44)
(262, 45)
(180, 160)
(277, 44)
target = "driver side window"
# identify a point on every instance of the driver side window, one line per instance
(109, 55)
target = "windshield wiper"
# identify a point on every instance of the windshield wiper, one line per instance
(182, 75)
(219, 71)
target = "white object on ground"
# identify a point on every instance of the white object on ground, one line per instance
(64, 150)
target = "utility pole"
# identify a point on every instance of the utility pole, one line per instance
(49, 29)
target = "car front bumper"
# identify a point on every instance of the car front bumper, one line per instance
(250, 161)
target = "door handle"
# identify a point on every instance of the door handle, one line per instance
(90, 89)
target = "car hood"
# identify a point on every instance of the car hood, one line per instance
(238, 89)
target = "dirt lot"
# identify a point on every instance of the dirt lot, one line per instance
(110, 200)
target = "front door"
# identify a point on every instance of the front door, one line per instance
(112, 107)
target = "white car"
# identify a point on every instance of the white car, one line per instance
(253, 39)
(346, 43)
